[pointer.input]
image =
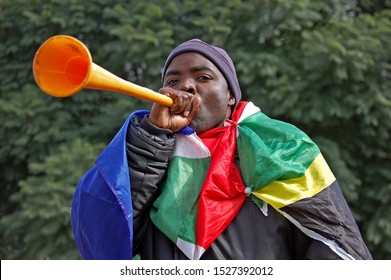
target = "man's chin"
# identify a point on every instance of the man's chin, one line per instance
(196, 126)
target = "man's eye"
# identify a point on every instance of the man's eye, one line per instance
(171, 82)
(204, 78)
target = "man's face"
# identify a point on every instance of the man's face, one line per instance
(194, 73)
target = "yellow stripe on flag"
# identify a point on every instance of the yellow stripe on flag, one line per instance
(317, 177)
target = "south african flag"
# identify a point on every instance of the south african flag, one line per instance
(202, 191)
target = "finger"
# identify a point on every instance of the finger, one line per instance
(181, 103)
(193, 109)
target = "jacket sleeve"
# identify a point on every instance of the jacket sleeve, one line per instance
(148, 150)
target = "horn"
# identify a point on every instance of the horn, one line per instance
(63, 66)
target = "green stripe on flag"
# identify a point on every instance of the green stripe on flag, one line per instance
(272, 150)
(172, 210)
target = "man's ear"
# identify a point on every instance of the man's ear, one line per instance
(231, 99)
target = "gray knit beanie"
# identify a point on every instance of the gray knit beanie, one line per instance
(216, 55)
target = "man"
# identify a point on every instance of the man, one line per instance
(211, 177)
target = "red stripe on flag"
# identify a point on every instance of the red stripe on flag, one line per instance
(222, 194)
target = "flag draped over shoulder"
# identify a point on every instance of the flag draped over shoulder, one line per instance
(101, 212)
(203, 189)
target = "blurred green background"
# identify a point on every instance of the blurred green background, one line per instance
(322, 65)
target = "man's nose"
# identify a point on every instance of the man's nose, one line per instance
(188, 85)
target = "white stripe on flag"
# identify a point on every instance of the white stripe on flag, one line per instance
(190, 146)
(249, 110)
(192, 251)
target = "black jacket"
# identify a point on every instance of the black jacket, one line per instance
(251, 235)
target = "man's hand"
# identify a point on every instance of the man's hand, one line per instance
(180, 114)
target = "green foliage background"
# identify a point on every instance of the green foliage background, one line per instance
(322, 65)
